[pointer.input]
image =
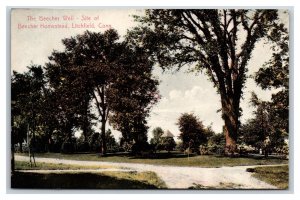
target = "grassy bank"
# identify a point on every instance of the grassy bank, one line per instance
(277, 175)
(23, 165)
(82, 180)
(174, 159)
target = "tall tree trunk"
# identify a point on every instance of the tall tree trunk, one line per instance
(230, 115)
(103, 137)
(21, 148)
(85, 119)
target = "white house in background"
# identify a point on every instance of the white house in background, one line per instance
(167, 133)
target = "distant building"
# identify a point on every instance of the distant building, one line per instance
(167, 133)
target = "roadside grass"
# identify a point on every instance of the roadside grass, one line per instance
(143, 177)
(83, 180)
(173, 159)
(23, 165)
(274, 175)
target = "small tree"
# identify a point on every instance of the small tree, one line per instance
(192, 131)
(261, 131)
(156, 140)
(112, 145)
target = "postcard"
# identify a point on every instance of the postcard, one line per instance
(187, 99)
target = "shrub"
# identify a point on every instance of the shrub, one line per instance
(203, 150)
(68, 147)
(83, 146)
(139, 147)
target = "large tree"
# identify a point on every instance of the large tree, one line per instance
(274, 74)
(27, 106)
(271, 120)
(116, 78)
(67, 98)
(85, 71)
(220, 42)
(28, 97)
(133, 95)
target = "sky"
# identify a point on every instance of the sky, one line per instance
(32, 41)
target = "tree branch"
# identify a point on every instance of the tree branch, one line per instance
(97, 103)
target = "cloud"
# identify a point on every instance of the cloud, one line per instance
(196, 99)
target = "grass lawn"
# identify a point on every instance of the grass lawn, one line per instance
(277, 175)
(83, 180)
(23, 165)
(174, 159)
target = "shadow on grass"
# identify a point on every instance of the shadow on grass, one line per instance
(28, 180)
(166, 155)
(161, 155)
(252, 156)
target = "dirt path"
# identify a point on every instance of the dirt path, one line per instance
(178, 177)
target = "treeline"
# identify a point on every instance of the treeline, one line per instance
(97, 71)
(94, 71)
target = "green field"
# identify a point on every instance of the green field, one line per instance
(81, 180)
(173, 159)
(23, 165)
(274, 175)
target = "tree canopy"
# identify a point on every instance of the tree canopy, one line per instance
(192, 131)
(218, 42)
(271, 118)
(96, 70)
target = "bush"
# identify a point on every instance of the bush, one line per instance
(83, 146)
(139, 147)
(216, 144)
(168, 144)
(203, 150)
(126, 147)
(68, 147)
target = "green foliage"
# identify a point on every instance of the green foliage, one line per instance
(157, 133)
(262, 131)
(29, 113)
(97, 68)
(133, 94)
(94, 142)
(84, 71)
(68, 146)
(275, 75)
(216, 144)
(192, 132)
(173, 159)
(112, 145)
(209, 40)
(162, 143)
(167, 143)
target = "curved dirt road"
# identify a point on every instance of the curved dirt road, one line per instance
(179, 177)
